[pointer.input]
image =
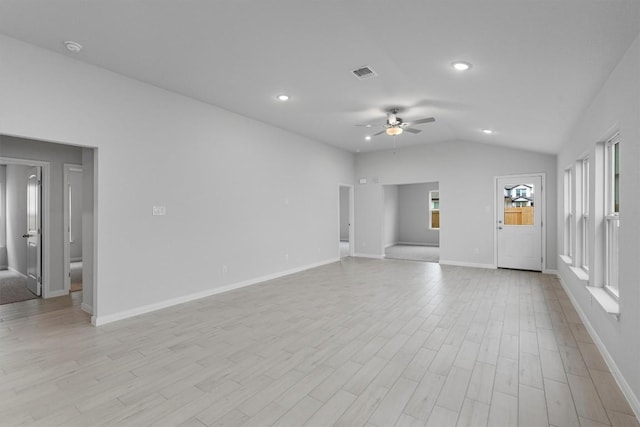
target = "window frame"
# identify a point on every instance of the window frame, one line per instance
(432, 209)
(612, 217)
(585, 249)
(568, 213)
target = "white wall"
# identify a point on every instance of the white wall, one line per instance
(246, 190)
(616, 106)
(413, 203)
(456, 165)
(89, 230)
(16, 217)
(75, 226)
(391, 215)
(56, 155)
(3, 217)
(344, 213)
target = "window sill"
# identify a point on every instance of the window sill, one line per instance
(606, 301)
(567, 260)
(580, 273)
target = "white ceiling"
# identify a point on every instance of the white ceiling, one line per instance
(536, 63)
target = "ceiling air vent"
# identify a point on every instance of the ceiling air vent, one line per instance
(364, 72)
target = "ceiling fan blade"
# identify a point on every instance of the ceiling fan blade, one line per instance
(421, 121)
(379, 133)
(370, 125)
(412, 130)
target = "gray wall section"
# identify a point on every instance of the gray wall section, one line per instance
(615, 107)
(468, 223)
(413, 202)
(391, 215)
(89, 237)
(16, 217)
(344, 213)
(56, 155)
(75, 225)
(3, 217)
(246, 190)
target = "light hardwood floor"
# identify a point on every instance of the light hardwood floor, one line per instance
(354, 343)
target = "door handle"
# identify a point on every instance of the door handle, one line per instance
(26, 235)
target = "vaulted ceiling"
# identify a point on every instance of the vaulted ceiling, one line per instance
(535, 63)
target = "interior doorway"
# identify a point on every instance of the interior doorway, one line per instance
(345, 237)
(52, 158)
(412, 221)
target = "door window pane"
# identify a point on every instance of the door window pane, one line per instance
(518, 204)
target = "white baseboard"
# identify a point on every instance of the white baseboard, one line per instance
(369, 256)
(467, 264)
(17, 272)
(76, 259)
(633, 400)
(551, 271)
(431, 245)
(109, 318)
(87, 309)
(54, 294)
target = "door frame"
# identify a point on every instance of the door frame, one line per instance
(66, 215)
(45, 168)
(351, 218)
(543, 215)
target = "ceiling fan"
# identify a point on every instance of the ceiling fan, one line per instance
(395, 125)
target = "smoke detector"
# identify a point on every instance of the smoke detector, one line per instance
(73, 47)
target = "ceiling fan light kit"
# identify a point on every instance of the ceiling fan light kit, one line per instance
(393, 131)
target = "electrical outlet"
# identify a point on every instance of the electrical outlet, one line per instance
(286, 257)
(224, 269)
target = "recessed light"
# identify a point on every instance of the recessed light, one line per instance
(487, 131)
(72, 46)
(283, 97)
(367, 126)
(461, 65)
(368, 138)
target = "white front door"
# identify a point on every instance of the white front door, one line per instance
(33, 235)
(519, 222)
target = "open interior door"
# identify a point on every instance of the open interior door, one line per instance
(34, 232)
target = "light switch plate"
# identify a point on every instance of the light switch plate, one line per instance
(159, 210)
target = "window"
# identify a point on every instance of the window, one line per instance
(568, 213)
(434, 210)
(584, 221)
(612, 211)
